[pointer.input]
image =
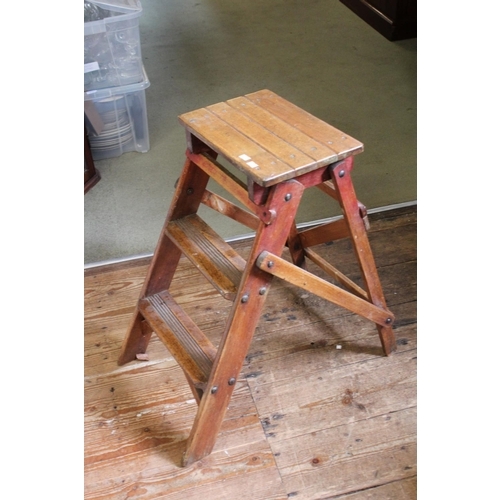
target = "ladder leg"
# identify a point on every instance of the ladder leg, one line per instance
(186, 200)
(137, 339)
(341, 176)
(296, 248)
(242, 322)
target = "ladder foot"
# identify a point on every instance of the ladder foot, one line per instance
(136, 342)
(387, 339)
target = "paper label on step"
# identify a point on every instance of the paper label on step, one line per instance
(252, 164)
(88, 67)
(245, 157)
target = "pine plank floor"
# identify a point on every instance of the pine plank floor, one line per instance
(318, 412)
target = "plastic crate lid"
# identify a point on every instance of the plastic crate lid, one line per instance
(125, 6)
(112, 91)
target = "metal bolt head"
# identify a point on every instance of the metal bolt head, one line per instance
(288, 197)
(388, 321)
(231, 381)
(190, 191)
(342, 173)
(214, 389)
(245, 298)
(270, 264)
(262, 291)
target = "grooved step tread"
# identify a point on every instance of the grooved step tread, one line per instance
(218, 262)
(185, 341)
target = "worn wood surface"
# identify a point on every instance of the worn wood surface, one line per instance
(241, 323)
(317, 413)
(268, 138)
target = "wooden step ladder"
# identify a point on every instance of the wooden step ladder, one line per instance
(282, 150)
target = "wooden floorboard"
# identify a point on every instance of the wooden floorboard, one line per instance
(318, 411)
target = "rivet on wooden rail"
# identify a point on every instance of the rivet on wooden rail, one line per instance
(270, 264)
(262, 291)
(214, 389)
(288, 197)
(388, 321)
(190, 191)
(342, 173)
(231, 381)
(245, 298)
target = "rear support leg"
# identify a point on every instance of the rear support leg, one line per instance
(341, 177)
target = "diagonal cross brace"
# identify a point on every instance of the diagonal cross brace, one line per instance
(283, 269)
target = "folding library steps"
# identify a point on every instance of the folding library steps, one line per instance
(282, 150)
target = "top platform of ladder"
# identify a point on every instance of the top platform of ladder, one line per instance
(268, 138)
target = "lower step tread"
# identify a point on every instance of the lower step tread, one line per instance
(182, 337)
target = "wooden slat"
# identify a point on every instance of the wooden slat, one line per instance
(224, 178)
(280, 148)
(331, 231)
(189, 346)
(311, 283)
(268, 138)
(233, 144)
(305, 143)
(218, 262)
(341, 144)
(328, 188)
(225, 207)
(336, 274)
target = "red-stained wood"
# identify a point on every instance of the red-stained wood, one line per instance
(307, 420)
(339, 143)
(336, 274)
(185, 341)
(262, 146)
(324, 233)
(224, 178)
(279, 267)
(341, 177)
(328, 188)
(187, 198)
(211, 255)
(225, 207)
(282, 150)
(296, 248)
(241, 323)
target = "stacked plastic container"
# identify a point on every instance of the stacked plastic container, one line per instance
(114, 78)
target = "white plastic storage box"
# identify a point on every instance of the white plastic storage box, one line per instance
(123, 118)
(112, 45)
